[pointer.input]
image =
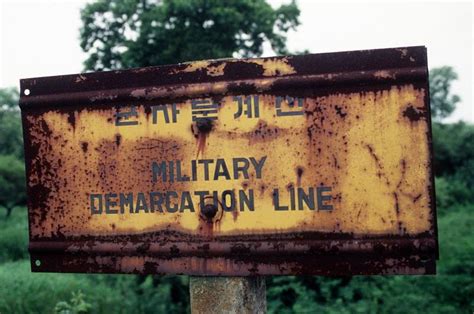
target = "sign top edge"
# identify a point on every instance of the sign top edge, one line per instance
(230, 69)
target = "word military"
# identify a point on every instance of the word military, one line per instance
(207, 169)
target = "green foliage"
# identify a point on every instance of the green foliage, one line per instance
(135, 33)
(451, 192)
(12, 182)
(454, 151)
(9, 98)
(11, 138)
(77, 305)
(14, 237)
(25, 292)
(12, 172)
(376, 294)
(168, 294)
(442, 101)
(456, 241)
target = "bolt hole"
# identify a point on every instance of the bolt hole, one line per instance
(38, 263)
(26, 92)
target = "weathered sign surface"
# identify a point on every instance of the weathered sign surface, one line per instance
(314, 164)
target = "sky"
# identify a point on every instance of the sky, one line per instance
(41, 37)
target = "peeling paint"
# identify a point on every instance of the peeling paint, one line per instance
(207, 66)
(80, 78)
(275, 67)
(194, 66)
(384, 74)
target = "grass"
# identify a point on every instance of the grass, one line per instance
(25, 292)
(456, 241)
(14, 236)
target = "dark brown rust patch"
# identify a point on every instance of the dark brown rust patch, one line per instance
(174, 250)
(44, 128)
(143, 248)
(147, 109)
(380, 173)
(264, 131)
(235, 214)
(201, 129)
(206, 228)
(118, 139)
(209, 211)
(71, 119)
(397, 204)
(402, 230)
(414, 114)
(340, 112)
(299, 174)
(204, 125)
(240, 249)
(38, 199)
(84, 146)
(243, 69)
(403, 163)
(42, 179)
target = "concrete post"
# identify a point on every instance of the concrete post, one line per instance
(227, 295)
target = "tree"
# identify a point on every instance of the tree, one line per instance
(135, 33)
(12, 183)
(443, 102)
(454, 155)
(12, 171)
(9, 98)
(11, 138)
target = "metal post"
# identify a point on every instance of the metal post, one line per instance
(228, 295)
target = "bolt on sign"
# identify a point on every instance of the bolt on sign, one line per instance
(313, 164)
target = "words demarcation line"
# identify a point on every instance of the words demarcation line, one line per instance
(170, 201)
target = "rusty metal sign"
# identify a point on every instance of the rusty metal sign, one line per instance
(315, 164)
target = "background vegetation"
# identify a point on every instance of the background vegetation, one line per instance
(131, 33)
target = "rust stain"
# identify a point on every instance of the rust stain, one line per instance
(414, 114)
(299, 174)
(275, 67)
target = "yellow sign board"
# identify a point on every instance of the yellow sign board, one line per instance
(278, 161)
